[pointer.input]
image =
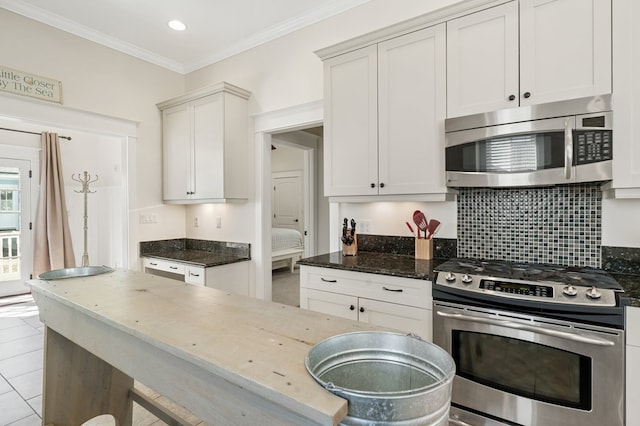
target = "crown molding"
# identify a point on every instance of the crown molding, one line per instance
(90, 34)
(324, 11)
(294, 24)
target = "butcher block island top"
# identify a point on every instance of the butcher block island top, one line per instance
(229, 359)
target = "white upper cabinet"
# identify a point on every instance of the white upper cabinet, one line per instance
(564, 53)
(565, 49)
(205, 141)
(351, 123)
(482, 61)
(384, 117)
(626, 101)
(411, 111)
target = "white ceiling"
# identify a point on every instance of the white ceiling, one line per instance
(216, 29)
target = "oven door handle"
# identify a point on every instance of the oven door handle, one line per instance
(518, 326)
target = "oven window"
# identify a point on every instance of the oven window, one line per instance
(524, 368)
(510, 154)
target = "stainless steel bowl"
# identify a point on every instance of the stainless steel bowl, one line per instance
(80, 271)
(388, 378)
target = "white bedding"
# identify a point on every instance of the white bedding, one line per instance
(284, 238)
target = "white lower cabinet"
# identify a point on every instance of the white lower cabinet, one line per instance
(403, 304)
(632, 390)
(232, 277)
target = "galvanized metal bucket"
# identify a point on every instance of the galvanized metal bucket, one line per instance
(388, 378)
(79, 271)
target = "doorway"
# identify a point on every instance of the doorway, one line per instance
(15, 225)
(287, 200)
(267, 126)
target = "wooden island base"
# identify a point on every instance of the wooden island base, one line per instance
(228, 359)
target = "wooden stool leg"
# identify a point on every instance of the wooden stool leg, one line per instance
(79, 386)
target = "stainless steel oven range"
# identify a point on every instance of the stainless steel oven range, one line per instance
(533, 344)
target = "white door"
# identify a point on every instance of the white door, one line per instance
(15, 222)
(287, 201)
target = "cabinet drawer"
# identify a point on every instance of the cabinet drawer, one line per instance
(632, 326)
(405, 291)
(164, 265)
(194, 275)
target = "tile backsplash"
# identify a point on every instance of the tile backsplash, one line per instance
(560, 224)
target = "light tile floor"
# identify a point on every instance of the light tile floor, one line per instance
(21, 361)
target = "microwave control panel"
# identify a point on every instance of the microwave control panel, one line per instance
(591, 146)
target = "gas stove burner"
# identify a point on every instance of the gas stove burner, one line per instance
(537, 284)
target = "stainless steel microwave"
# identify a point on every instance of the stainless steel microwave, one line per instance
(540, 145)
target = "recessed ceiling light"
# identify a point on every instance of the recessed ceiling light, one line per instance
(177, 25)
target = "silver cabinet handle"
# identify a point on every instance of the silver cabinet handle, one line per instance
(457, 422)
(193, 275)
(173, 267)
(153, 264)
(568, 148)
(518, 326)
(395, 290)
(328, 281)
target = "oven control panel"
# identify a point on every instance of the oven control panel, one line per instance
(536, 290)
(542, 291)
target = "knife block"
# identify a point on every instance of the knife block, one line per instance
(352, 249)
(424, 248)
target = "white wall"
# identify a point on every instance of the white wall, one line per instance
(285, 158)
(98, 79)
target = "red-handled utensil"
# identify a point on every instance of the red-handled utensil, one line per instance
(433, 226)
(410, 229)
(421, 222)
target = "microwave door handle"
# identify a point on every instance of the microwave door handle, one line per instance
(568, 148)
(525, 327)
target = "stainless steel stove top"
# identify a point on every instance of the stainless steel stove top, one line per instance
(562, 285)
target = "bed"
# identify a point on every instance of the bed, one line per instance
(287, 247)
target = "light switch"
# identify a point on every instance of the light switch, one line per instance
(218, 222)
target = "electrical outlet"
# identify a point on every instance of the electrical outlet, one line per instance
(196, 222)
(364, 226)
(218, 222)
(148, 218)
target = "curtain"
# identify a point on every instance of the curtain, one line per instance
(52, 239)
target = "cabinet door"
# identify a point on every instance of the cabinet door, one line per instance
(351, 124)
(411, 112)
(176, 152)
(208, 143)
(482, 61)
(328, 303)
(401, 317)
(565, 49)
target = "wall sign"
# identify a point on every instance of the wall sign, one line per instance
(27, 84)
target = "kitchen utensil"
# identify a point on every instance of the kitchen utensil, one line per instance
(421, 222)
(410, 229)
(433, 226)
(353, 227)
(344, 238)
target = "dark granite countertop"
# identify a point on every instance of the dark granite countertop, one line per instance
(198, 258)
(631, 286)
(202, 253)
(397, 265)
(402, 265)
